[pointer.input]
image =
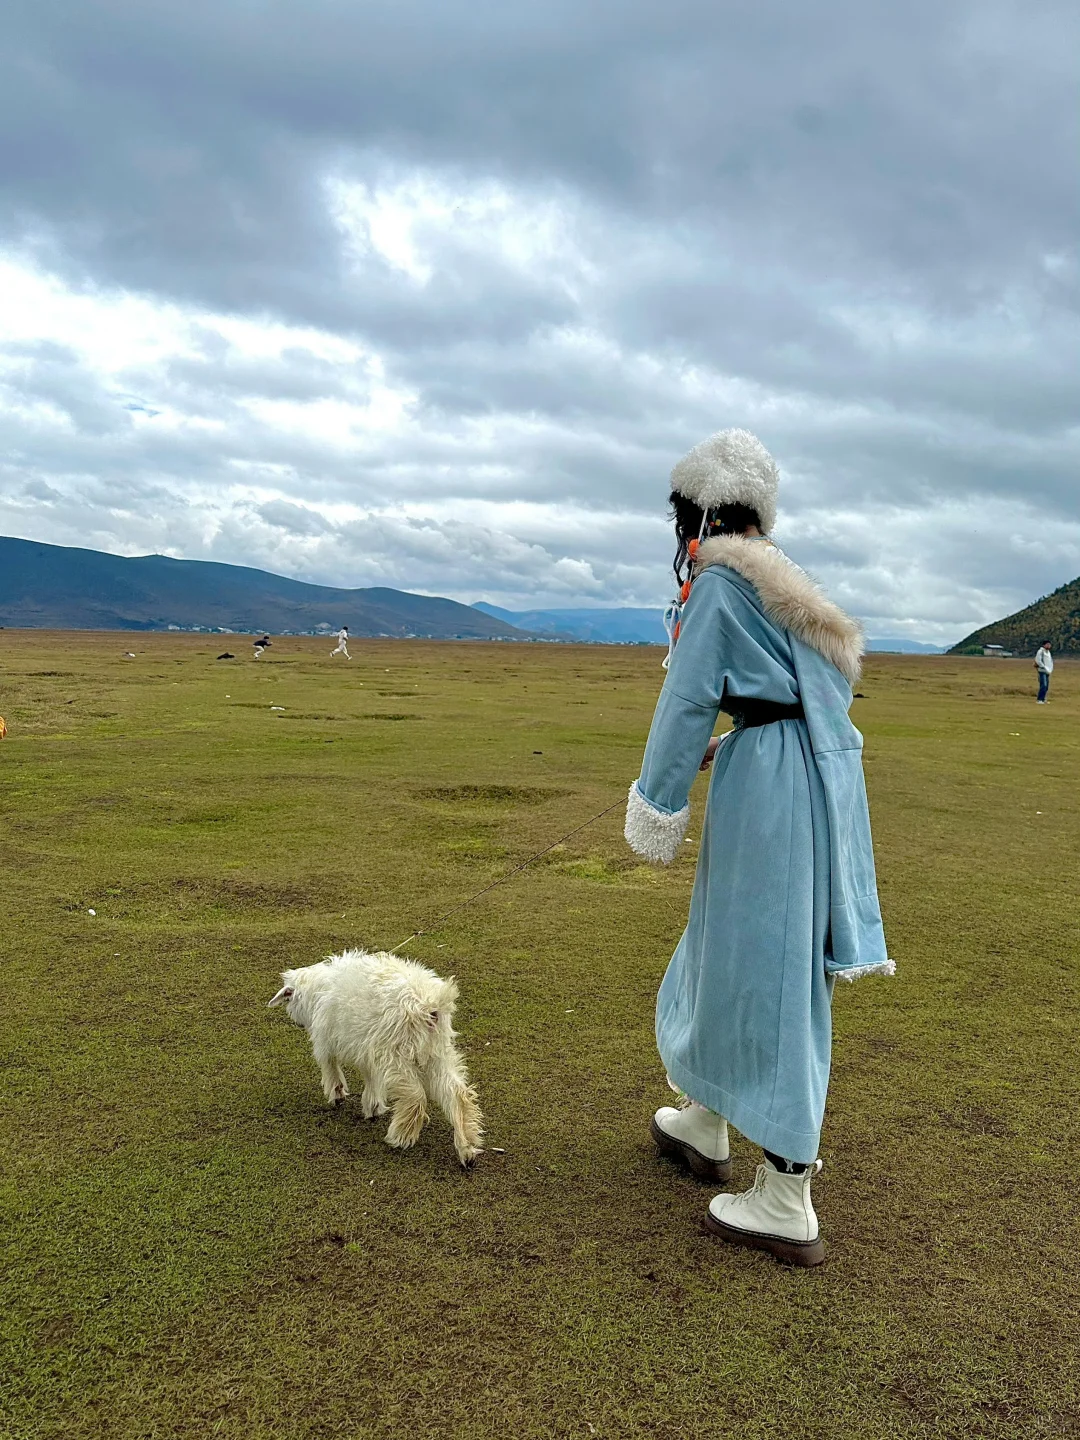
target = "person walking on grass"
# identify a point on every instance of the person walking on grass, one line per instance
(785, 895)
(342, 643)
(1044, 664)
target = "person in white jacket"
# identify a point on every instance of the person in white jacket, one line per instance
(1044, 664)
(342, 643)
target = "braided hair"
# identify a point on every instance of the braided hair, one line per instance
(721, 520)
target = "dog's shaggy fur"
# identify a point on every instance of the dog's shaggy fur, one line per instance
(388, 1018)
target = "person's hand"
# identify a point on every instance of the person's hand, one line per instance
(710, 753)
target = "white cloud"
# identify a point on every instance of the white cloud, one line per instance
(415, 222)
(519, 506)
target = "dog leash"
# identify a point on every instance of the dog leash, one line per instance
(441, 921)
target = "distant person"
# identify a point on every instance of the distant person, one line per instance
(342, 643)
(784, 898)
(261, 645)
(1044, 664)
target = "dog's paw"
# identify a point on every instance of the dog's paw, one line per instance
(400, 1140)
(467, 1154)
(406, 1124)
(339, 1093)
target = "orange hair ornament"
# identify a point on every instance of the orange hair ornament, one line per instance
(673, 613)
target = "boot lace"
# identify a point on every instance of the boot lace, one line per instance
(755, 1189)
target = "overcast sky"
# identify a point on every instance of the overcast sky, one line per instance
(433, 294)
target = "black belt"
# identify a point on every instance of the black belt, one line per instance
(749, 713)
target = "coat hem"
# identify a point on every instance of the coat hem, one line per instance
(798, 1146)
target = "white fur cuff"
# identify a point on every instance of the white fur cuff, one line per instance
(654, 833)
(856, 972)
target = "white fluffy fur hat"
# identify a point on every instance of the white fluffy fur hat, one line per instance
(731, 467)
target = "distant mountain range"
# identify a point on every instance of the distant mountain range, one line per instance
(625, 626)
(1055, 617)
(62, 588)
(65, 588)
(894, 645)
(629, 626)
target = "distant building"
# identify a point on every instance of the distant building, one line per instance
(998, 651)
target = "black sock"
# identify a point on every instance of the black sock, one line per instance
(786, 1167)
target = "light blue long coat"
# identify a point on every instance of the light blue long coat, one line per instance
(785, 895)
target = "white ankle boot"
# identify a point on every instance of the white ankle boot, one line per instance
(697, 1137)
(775, 1214)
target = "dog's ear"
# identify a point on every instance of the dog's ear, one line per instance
(450, 992)
(285, 993)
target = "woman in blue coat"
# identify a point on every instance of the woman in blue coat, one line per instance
(785, 898)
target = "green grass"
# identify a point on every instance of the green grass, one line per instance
(195, 1246)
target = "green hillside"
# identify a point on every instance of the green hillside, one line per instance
(1055, 618)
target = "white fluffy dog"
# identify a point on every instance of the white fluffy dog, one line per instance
(390, 1019)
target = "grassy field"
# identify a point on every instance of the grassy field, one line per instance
(195, 1246)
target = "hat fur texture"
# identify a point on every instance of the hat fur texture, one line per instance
(731, 467)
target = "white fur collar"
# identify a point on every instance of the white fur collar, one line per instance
(790, 598)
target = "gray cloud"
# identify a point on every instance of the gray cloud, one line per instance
(294, 519)
(525, 256)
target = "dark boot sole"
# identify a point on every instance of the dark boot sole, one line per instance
(718, 1172)
(789, 1252)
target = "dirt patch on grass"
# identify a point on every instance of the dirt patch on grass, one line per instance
(375, 715)
(247, 894)
(977, 1120)
(203, 817)
(282, 712)
(231, 894)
